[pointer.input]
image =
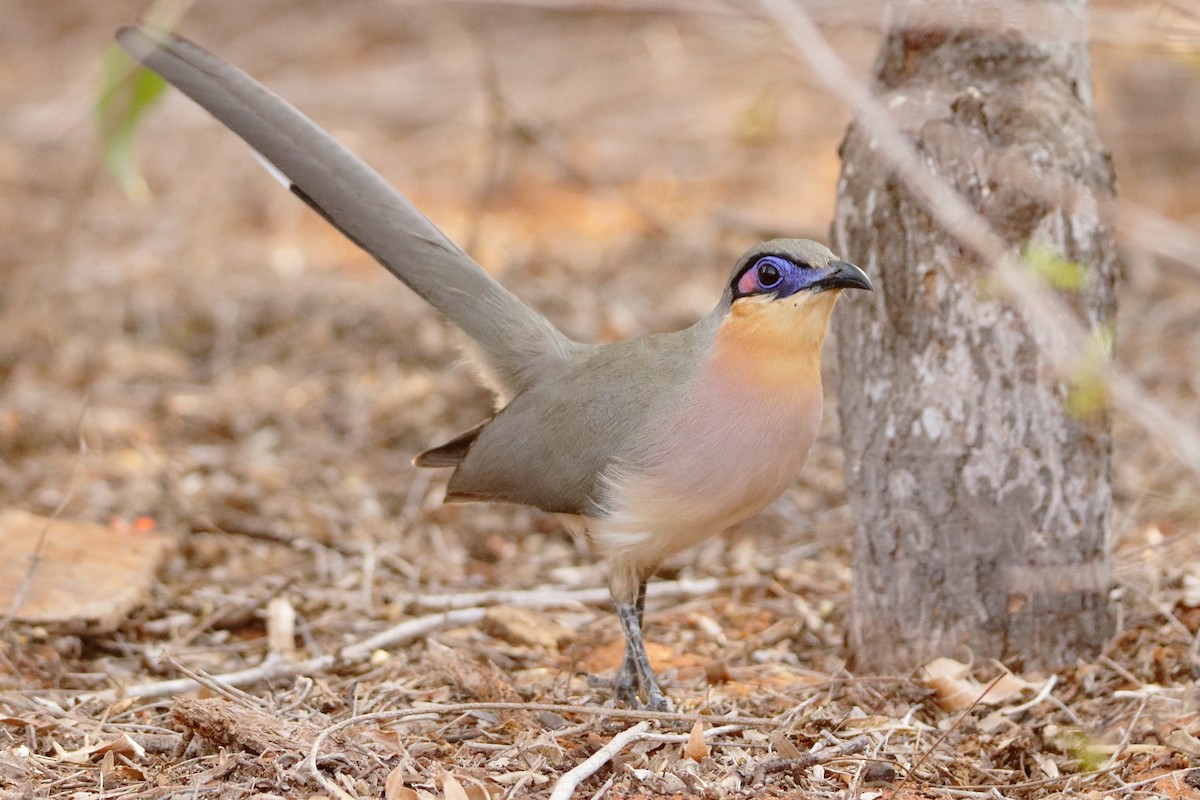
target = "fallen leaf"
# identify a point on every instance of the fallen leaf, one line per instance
(394, 788)
(478, 791)
(1009, 687)
(85, 575)
(955, 690)
(945, 677)
(452, 789)
(783, 745)
(946, 668)
(21, 722)
(122, 745)
(696, 748)
(1182, 740)
(1046, 764)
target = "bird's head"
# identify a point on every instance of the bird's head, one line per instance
(780, 296)
(793, 271)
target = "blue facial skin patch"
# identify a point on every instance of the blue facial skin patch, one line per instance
(775, 275)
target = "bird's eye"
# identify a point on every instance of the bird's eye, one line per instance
(769, 275)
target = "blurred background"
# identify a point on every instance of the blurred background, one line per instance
(216, 358)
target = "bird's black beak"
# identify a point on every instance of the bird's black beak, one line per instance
(842, 275)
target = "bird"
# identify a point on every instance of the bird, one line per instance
(652, 444)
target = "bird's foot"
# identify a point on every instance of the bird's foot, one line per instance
(655, 699)
(624, 685)
(628, 689)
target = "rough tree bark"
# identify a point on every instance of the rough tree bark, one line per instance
(982, 507)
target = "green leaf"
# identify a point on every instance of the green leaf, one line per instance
(1087, 385)
(1085, 750)
(1055, 270)
(127, 91)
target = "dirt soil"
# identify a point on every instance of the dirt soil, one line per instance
(219, 364)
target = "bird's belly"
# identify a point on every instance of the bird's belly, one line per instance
(714, 469)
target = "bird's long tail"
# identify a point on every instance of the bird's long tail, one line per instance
(516, 344)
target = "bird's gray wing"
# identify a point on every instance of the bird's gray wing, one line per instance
(551, 446)
(516, 344)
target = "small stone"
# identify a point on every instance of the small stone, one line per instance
(878, 774)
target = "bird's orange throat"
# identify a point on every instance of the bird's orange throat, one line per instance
(775, 343)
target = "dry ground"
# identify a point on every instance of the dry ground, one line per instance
(221, 362)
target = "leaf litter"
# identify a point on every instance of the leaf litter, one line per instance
(247, 381)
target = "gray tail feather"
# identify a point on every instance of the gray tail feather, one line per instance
(516, 343)
(452, 453)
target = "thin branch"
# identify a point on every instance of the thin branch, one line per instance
(273, 668)
(1128, 735)
(1155, 233)
(551, 596)
(852, 747)
(1059, 335)
(409, 630)
(711, 733)
(912, 771)
(1042, 694)
(435, 709)
(397, 715)
(570, 781)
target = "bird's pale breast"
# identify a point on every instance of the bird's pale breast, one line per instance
(740, 440)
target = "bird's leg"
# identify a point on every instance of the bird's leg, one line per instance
(625, 684)
(641, 601)
(635, 669)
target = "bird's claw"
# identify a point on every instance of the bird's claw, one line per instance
(657, 701)
(628, 689)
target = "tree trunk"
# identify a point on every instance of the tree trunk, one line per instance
(982, 506)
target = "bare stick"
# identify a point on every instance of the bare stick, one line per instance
(1042, 694)
(273, 667)
(551, 596)
(383, 717)
(849, 748)
(1125, 737)
(409, 630)
(217, 686)
(570, 781)
(911, 772)
(1157, 234)
(434, 709)
(1059, 335)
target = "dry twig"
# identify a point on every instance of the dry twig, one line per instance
(809, 759)
(273, 667)
(550, 596)
(570, 780)
(911, 772)
(379, 717)
(1059, 334)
